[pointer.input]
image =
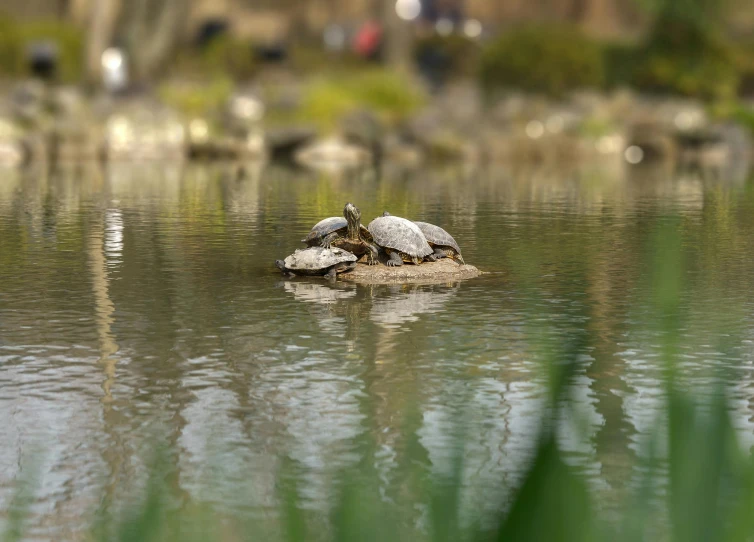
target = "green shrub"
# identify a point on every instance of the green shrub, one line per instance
(390, 95)
(223, 57)
(16, 37)
(311, 58)
(11, 50)
(552, 59)
(741, 114)
(620, 63)
(744, 56)
(197, 100)
(688, 60)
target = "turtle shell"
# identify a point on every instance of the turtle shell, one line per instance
(437, 236)
(399, 234)
(327, 226)
(314, 259)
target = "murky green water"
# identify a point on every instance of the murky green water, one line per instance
(140, 306)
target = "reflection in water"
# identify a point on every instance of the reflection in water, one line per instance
(103, 245)
(406, 304)
(315, 292)
(139, 305)
(103, 306)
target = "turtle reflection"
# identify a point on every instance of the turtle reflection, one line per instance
(323, 294)
(336, 306)
(390, 306)
(404, 305)
(340, 306)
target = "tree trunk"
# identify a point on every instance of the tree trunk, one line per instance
(397, 38)
(101, 23)
(152, 31)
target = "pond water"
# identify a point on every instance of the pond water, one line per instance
(139, 306)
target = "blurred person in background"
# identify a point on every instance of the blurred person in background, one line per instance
(367, 42)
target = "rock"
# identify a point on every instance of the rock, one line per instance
(140, 129)
(655, 144)
(441, 271)
(362, 127)
(333, 154)
(243, 114)
(12, 149)
(227, 148)
(284, 142)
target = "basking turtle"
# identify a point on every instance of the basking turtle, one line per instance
(318, 261)
(401, 239)
(347, 233)
(442, 242)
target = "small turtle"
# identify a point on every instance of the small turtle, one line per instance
(401, 239)
(347, 233)
(442, 242)
(318, 261)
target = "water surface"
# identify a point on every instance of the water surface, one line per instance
(140, 306)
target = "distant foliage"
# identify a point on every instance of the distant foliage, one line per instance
(694, 12)
(11, 50)
(688, 59)
(194, 99)
(745, 67)
(389, 95)
(224, 56)
(620, 60)
(16, 37)
(551, 59)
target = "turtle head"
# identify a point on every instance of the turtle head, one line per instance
(351, 211)
(353, 216)
(385, 213)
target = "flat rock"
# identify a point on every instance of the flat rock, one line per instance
(444, 270)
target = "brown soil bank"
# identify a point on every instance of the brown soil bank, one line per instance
(444, 270)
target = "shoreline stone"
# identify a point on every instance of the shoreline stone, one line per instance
(441, 271)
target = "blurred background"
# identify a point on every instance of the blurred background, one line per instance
(468, 79)
(592, 157)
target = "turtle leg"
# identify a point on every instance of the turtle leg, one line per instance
(430, 258)
(373, 253)
(342, 267)
(329, 239)
(395, 259)
(459, 259)
(440, 253)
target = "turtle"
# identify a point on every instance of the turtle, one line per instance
(344, 232)
(318, 261)
(401, 239)
(442, 242)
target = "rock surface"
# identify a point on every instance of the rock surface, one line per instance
(444, 270)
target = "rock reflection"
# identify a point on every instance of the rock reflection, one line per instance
(406, 303)
(341, 308)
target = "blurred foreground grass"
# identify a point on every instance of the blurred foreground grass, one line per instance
(693, 481)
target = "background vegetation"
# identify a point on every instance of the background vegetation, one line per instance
(686, 52)
(16, 37)
(550, 59)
